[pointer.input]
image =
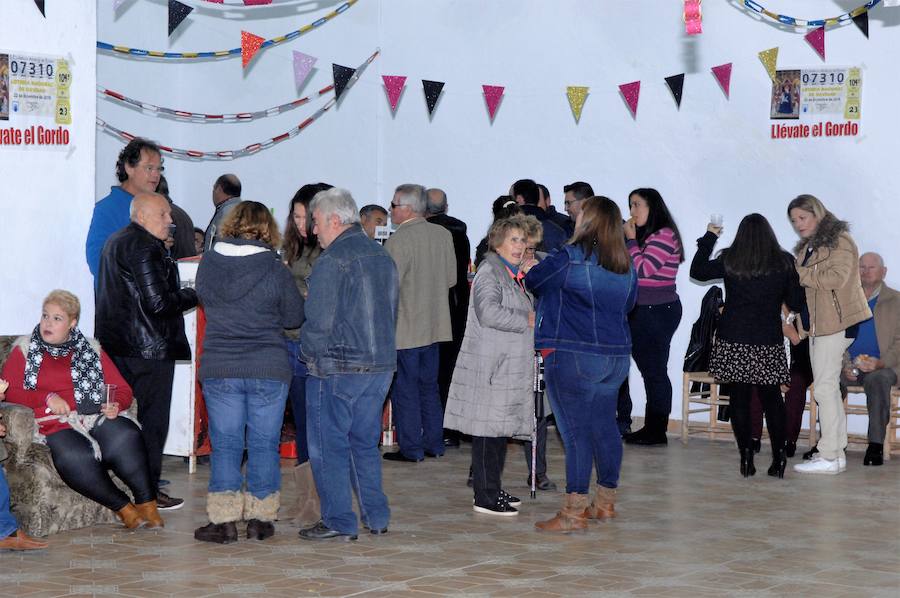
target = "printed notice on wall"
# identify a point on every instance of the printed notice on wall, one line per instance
(822, 102)
(35, 110)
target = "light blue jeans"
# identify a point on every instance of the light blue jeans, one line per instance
(239, 409)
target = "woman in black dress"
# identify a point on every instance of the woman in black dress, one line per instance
(749, 348)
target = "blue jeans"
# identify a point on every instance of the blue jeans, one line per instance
(583, 389)
(8, 523)
(344, 426)
(239, 409)
(297, 397)
(652, 327)
(416, 402)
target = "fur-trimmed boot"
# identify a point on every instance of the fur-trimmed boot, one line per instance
(130, 517)
(260, 514)
(150, 514)
(571, 518)
(308, 507)
(224, 510)
(603, 505)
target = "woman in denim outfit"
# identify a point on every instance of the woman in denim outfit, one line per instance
(249, 298)
(585, 291)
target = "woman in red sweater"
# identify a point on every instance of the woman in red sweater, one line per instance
(62, 376)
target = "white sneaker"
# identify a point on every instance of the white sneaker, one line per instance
(820, 465)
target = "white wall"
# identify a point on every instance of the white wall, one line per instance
(47, 194)
(712, 155)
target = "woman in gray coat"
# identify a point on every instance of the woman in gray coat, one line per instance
(491, 392)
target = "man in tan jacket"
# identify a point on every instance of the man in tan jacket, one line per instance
(426, 263)
(875, 353)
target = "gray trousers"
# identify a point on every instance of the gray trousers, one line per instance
(877, 385)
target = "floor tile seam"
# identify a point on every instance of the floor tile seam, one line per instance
(407, 581)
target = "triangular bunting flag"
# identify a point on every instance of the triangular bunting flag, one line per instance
(177, 13)
(393, 85)
(433, 91)
(117, 4)
(676, 84)
(861, 20)
(723, 76)
(303, 64)
(250, 45)
(631, 92)
(40, 6)
(342, 75)
(577, 96)
(816, 39)
(492, 96)
(769, 59)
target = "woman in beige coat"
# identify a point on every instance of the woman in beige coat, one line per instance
(491, 391)
(828, 265)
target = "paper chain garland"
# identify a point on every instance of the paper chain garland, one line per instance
(140, 53)
(847, 16)
(200, 117)
(250, 149)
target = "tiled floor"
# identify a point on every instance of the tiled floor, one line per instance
(688, 525)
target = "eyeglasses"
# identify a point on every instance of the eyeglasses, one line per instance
(569, 202)
(150, 169)
(396, 205)
(530, 250)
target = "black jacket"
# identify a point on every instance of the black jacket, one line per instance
(554, 236)
(139, 302)
(459, 293)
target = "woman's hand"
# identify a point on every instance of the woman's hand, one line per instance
(790, 331)
(528, 265)
(714, 229)
(531, 319)
(110, 410)
(57, 405)
(630, 229)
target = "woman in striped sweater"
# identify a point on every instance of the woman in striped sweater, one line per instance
(655, 245)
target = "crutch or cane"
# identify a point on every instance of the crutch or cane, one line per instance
(538, 387)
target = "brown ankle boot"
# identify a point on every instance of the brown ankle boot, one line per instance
(150, 514)
(603, 506)
(570, 518)
(308, 507)
(130, 517)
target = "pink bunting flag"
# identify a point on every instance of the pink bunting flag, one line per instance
(303, 64)
(492, 95)
(250, 45)
(393, 85)
(631, 92)
(723, 76)
(816, 39)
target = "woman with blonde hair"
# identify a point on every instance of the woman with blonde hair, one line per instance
(827, 262)
(249, 297)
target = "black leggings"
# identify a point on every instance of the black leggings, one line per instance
(123, 452)
(773, 407)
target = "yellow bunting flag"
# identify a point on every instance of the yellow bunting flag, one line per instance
(769, 59)
(577, 96)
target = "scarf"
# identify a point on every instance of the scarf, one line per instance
(87, 374)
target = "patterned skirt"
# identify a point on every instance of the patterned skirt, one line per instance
(749, 364)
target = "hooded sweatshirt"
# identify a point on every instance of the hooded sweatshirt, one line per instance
(249, 298)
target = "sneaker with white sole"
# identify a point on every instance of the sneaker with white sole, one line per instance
(501, 507)
(512, 500)
(820, 465)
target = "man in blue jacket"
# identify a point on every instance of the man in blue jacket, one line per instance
(138, 170)
(348, 343)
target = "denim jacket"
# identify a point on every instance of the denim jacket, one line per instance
(351, 309)
(582, 307)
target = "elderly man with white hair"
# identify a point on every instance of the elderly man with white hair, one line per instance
(348, 345)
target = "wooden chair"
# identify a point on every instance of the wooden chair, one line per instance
(711, 400)
(890, 439)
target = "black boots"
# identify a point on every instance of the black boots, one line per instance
(779, 463)
(653, 432)
(260, 530)
(747, 467)
(220, 533)
(874, 454)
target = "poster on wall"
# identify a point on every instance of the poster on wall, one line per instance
(821, 102)
(35, 110)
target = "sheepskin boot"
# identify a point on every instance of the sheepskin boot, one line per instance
(150, 514)
(130, 517)
(571, 518)
(260, 514)
(224, 510)
(308, 507)
(603, 505)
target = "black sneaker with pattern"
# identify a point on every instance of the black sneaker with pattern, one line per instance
(501, 507)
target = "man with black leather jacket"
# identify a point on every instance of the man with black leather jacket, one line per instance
(139, 319)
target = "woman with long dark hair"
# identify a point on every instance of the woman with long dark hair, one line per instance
(585, 292)
(655, 246)
(503, 207)
(300, 249)
(749, 350)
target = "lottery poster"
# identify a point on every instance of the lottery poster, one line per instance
(821, 102)
(35, 108)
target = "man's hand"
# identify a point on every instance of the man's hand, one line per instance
(848, 375)
(869, 364)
